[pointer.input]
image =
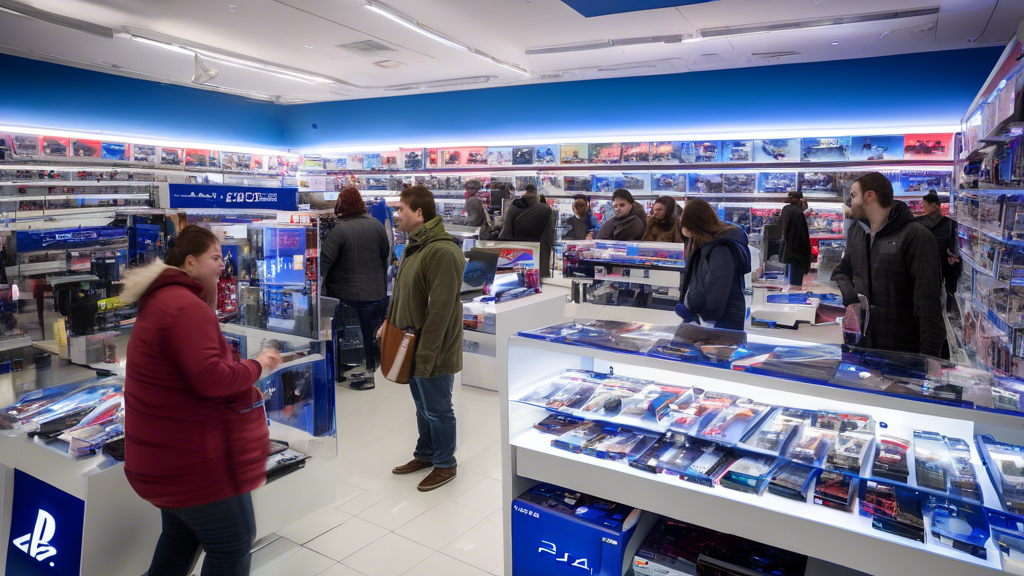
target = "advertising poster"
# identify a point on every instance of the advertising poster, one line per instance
(146, 154)
(115, 151)
(197, 158)
(573, 154)
(312, 162)
(171, 156)
(373, 162)
(872, 148)
(411, 158)
(214, 159)
(699, 152)
(52, 146)
(546, 155)
(779, 150)
(825, 149)
(776, 182)
(26, 146)
(817, 182)
(356, 162)
(257, 163)
(339, 163)
(922, 182)
(668, 152)
(607, 183)
(636, 153)
(243, 162)
(737, 151)
(548, 183)
(577, 183)
(433, 157)
(739, 183)
(606, 153)
(390, 160)
(86, 148)
(636, 182)
(522, 156)
(501, 156)
(928, 146)
(669, 182)
(705, 183)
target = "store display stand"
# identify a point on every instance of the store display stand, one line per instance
(834, 536)
(485, 356)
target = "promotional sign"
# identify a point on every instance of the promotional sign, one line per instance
(197, 158)
(928, 146)
(876, 148)
(54, 146)
(115, 151)
(86, 148)
(171, 156)
(35, 240)
(46, 530)
(285, 253)
(214, 196)
(25, 145)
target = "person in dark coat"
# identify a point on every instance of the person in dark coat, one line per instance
(354, 262)
(662, 225)
(578, 225)
(944, 229)
(196, 441)
(717, 262)
(893, 263)
(476, 214)
(796, 240)
(591, 218)
(625, 224)
(531, 220)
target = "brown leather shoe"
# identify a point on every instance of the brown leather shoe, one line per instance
(438, 477)
(412, 466)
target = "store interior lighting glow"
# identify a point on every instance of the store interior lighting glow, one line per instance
(510, 67)
(164, 45)
(415, 26)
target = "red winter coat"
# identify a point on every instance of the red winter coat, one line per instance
(186, 442)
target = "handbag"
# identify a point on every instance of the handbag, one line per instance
(397, 351)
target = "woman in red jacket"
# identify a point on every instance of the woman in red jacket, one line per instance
(196, 436)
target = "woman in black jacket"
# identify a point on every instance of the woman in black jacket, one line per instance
(717, 260)
(354, 264)
(578, 225)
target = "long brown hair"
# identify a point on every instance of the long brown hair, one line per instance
(701, 220)
(670, 210)
(191, 241)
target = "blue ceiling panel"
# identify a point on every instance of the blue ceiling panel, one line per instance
(591, 8)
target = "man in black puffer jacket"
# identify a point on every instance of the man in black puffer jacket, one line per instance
(893, 261)
(530, 220)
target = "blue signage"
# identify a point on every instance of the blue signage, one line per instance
(67, 238)
(46, 530)
(591, 8)
(234, 197)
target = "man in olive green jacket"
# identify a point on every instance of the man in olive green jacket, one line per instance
(426, 298)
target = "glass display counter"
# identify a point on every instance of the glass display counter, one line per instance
(884, 463)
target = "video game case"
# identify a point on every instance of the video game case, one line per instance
(793, 481)
(897, 528)
(559, 424)
(891, 462)
(710, 467)
(836, 490)
(750, 474)
(648, 460)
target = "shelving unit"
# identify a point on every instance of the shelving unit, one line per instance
(831, 535)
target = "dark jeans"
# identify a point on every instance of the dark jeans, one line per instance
(371, 315)
(796, 275)
(225, 529)
(435, 418)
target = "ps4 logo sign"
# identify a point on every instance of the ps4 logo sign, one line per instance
(525, 511)
(37, 543)
(550, 548)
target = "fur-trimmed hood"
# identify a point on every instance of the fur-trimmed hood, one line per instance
(140, 282)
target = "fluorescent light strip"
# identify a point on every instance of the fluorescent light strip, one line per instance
(146, 140)
(414, 25)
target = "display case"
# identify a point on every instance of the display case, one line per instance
(881, 462)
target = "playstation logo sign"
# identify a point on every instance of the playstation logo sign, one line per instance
(37, 543)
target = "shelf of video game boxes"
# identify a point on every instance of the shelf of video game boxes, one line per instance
(33, 196)
(881, 462)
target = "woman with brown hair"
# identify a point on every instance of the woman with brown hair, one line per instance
(662, 225)
(717, 259)
(578, 225)
(196, 436)
(354, 264)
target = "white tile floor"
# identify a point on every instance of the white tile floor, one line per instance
(380, 524)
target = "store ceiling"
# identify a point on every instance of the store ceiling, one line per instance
(548, 39)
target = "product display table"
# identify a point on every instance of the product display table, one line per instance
(837, 536)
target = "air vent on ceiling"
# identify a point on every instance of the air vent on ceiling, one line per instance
(388, 64)
(366, 47)
(770, 56)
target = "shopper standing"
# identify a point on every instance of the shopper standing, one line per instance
(591, 218)
(578, 225)
(796, 240)
(717, 262)
(476, 214)
(944, 229)
(530, 220)
(354, 262)
(196, 437)
(426, 299)
(624, 224)
(662, 225)
(893, 264)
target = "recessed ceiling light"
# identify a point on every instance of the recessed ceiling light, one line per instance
(308, 46)
(232, 7)
(835, 42)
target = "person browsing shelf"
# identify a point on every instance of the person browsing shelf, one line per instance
(476, 214)
(662, 225)
(796, 240)
(717, 262)
(624, 224)
(944, 229)
(891, 264)
(578, 225)
(530, 220)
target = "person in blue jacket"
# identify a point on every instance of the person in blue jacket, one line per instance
(717, 259)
